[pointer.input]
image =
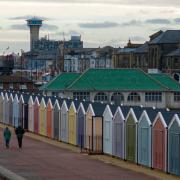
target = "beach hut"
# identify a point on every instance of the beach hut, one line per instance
(144, 136)
(73, 122)
(21, 110)
(174, 146)
(25, 111)
(10, 109)
(159, 139)
(131, 136)
(16, 111)
(49, 119)
(64, 132)
(81, 124)
(31, 114)
(56, 120)
(42, 117)
(118, 125)
(1, 106)
(36, 115)
(107, 129)
(94, 127)
(5, 110)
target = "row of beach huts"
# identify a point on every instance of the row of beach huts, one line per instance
(146, 136)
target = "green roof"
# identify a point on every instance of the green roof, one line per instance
(116, 79)
(62, 81)
(167, 81)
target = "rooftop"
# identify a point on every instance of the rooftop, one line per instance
(62, 81)
(167, 81)
(167, 37)
(114, 80)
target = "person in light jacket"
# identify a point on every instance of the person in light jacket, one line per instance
(7, 136)
(19, 133)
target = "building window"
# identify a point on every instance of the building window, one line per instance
(11, 86)
(135, 97)
(23, 87)
(117, 97)
(177, 97)
(153, 97)
(100, 97)
(81, 96)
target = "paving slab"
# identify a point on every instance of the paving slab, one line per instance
(42, 161)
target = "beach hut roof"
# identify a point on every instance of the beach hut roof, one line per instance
(57, 104)
(98, 108)
(175, 118)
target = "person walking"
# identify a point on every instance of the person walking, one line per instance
(7, 136)
(19, 133)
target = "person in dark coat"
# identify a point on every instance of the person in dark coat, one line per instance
(7, 136)
(19, 133)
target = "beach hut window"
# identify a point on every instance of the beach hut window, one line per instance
(100, 97)
(81, 96)
(134, 97)
(153, 96)
(176, 96)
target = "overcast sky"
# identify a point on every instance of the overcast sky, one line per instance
(100, 22)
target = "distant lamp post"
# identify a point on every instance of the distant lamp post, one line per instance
(21, 67)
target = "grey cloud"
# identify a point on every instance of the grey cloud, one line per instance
(69, 33)
(98, 25)
(132, 23)
(158, 21)
(28, 17)
(19, 27)
(177, 20)
(25, 27)
(50, 27)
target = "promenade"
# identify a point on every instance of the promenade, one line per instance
(53, 160)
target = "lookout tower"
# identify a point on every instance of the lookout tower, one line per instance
(34, 24)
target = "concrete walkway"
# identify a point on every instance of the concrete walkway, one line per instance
(53, 160)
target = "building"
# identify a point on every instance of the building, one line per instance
(123, 57)
(79, 60)
(16, 83)
(130, 87)
(34, 25)
(161, 46)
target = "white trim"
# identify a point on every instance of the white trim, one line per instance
(82, 107)
(131, 111)
(16, 99)
(49, 102)
(30, 101)
(159, 115)
(2, 95)
(175, 118)
(64, 105)
(90, 108)
(6, 97)
(11, 97)
(36, 101)
(43, 103)
(57, 102)
(120, 112)
(73, 106)
(21, 98)
(144, 113)
(107, 109)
